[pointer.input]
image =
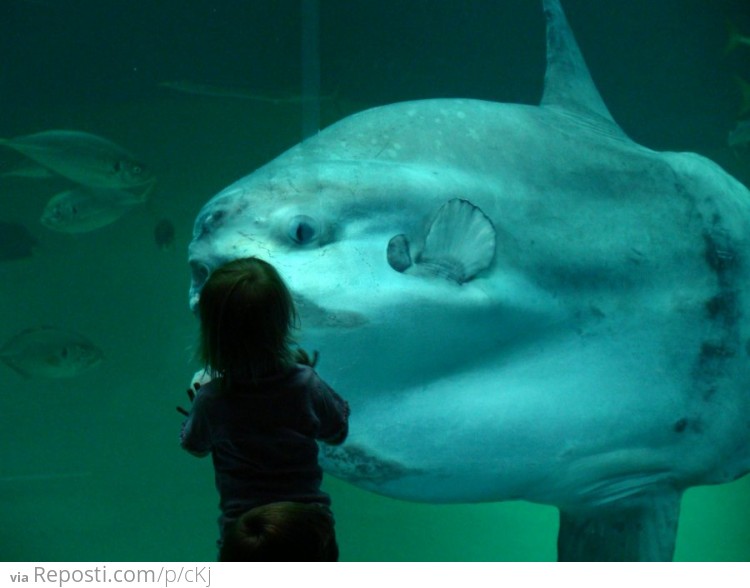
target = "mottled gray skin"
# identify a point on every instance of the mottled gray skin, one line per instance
(600, 364)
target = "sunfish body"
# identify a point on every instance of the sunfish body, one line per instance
(519, 302)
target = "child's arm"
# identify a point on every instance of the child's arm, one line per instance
(333, 412)
(194, 435)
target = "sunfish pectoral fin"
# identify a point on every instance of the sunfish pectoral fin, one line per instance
(459, 244)
(640, 528)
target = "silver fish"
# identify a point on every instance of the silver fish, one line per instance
(82, 209)
(49, 352)
(83, 158)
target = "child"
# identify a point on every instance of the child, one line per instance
(264, 408)
(282, 531)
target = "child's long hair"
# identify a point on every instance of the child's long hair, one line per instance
(247, 316)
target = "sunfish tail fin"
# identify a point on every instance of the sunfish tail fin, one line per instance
(567, 81)
(642, 528)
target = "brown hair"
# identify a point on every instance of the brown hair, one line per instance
(246, 316)
(282, 531)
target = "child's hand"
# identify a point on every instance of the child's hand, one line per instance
(191, 395)
(301, 356)
(199, 378)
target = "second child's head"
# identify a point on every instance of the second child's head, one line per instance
(282, 531)
(247, 316)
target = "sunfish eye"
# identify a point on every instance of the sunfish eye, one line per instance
(136, 169)
(303, 229)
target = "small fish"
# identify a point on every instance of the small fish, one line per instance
(735, 38)
(84, 158)
(15, 241)
(740, 135)
(49, 352)
(209, 90)
(82, 209)
(164, 234)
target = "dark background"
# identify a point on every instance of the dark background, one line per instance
(660, 64)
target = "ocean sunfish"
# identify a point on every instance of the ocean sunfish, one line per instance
(540, 308)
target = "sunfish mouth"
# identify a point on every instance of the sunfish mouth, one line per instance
(313, 315)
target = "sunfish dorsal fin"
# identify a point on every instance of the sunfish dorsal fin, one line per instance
(567, 81)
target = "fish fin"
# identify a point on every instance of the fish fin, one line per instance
(641, 528)
(6, 349)
(399, 257)
(567, 81)
(460, 242)
(21, 372)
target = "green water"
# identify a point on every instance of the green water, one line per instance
(90, 468)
